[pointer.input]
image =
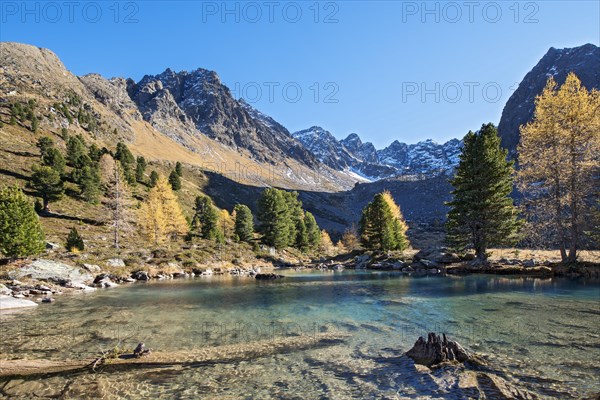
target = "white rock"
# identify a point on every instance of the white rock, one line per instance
(107, 283)
(5, 290)
(92, 268)
(52, 270)
(7, 302)
(115, 262)
(81, 286)
(52, 246)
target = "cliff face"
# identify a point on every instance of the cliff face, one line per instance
(584, 61)
(199, 99)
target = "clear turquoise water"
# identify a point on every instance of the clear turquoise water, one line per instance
(543, 334)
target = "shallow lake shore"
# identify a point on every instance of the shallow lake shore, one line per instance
(374, 316)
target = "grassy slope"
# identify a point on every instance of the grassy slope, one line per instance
(18, 154)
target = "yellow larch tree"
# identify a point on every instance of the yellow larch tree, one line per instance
(559, 159)
(161, 217)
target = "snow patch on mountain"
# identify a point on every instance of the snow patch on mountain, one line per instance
(426, 158)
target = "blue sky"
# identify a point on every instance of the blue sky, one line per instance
(386, 70)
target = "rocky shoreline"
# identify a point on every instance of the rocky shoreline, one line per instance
(39, 281)
(443, 262)
(29, 283)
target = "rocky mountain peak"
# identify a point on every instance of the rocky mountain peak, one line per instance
(351, 154)
(584, 61)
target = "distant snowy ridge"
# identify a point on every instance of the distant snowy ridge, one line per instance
(426, 158)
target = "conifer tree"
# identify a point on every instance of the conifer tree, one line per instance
(153, 179)
(482, 213)
(206, 219)
(179, 169)
(313, 232)
(301, 235)
(274, 217)
(127, 160)
(140, 169)
(47, 184)
(74, 241)
(244, 223)
(382, 226)
(161, 216)
(350, 239)
(53, 158)
(226, 224)
(175, 180)
(44, 143)
(21, 233)
(94, 152)
(118, 199)
(88, 178)
(399, 226)
(35, 124)
(325, 244)
(295, 215)
(559, 157)
(75, 150)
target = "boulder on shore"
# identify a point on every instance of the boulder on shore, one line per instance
(7, 302)
(437, 349)
(5, 290)
(140, 276)
(52, 271)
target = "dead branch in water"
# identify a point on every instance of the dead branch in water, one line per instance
(192, 357)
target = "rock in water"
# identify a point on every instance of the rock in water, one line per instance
(140, 276)
(267, 277)
(437, 349)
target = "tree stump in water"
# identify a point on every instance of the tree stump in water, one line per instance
(141, 350)
(437, 349)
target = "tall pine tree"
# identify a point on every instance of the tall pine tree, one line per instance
(482, 213)
(274, 217)
(118, 199)
(313, 232)
(244, 223)
(382, 226)
(47, 184)
(140, 169)
(206, 219)
(175, 180)
(21, 233)
(127, 160)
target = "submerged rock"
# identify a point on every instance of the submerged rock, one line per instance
(437, 349)
(81, 286)
(267, 277)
